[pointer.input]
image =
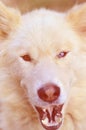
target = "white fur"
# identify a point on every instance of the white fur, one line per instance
(42, 34)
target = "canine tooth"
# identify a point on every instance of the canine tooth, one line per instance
(45, 121)
(58, 119)
(44, 110)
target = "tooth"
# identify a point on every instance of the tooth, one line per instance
(45, 121)
(58, 119)
(44, 110)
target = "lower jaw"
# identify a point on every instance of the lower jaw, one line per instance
(52, 127)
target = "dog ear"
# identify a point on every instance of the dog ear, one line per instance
(9, 19)
(77, 18)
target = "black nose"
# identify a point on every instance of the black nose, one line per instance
(49, 92)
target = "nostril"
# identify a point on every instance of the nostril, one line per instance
(49, 92)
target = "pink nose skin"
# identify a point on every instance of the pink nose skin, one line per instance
(49, 92)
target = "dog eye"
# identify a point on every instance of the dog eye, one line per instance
(26, 58)
(62, 54)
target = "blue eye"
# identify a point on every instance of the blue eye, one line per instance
(62, 54)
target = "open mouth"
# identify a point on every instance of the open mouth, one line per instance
(51, 116)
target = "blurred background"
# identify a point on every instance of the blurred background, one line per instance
(28, 5)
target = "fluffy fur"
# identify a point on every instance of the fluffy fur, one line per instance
(42, 35)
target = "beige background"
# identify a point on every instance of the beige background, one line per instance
(25, 5)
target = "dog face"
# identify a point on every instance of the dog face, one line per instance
(42, 63)
(41, 54)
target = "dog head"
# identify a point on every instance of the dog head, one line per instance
(42, 48)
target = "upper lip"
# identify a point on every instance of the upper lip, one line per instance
(50, 116)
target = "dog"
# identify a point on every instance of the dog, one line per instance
(43, 69)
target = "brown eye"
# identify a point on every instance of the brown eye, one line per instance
(26, 57)
(62, 54)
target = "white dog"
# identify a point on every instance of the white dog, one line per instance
(43, 69)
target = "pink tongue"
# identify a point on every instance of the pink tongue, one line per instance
(51, 117)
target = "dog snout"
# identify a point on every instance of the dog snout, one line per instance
(49, 92)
